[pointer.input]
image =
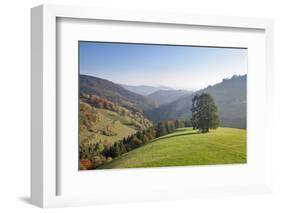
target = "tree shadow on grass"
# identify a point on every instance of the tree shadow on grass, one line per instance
(177, 135)
(184, 130)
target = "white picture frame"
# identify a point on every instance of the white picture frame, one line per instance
(44, 153)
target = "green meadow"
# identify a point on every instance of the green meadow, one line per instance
(187, 147)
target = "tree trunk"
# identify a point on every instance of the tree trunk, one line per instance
(205, 130)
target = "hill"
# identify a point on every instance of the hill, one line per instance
(102, 121)
(107, 114)
(114, 93)
(163, 97)
(144, 90)
(187, 147)
(229, 95)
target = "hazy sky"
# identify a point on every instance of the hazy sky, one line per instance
(182, 67)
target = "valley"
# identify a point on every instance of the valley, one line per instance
(120, 128)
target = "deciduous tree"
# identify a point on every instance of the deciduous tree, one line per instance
(205, 114)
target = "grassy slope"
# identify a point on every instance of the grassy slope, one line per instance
(187, 147)
(109, 118)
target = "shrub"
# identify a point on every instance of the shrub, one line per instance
(86, 164)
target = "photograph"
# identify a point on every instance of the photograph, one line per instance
(160, 105)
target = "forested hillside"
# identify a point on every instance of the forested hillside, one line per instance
(114, 92)
(230, 96)
(108, 113)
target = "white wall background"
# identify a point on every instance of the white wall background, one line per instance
(15, 104)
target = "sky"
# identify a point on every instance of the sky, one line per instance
(178, 67)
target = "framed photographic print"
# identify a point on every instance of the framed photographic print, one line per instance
(149, 106)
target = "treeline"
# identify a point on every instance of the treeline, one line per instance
(134, 141)
(166, 127)
(94, 155)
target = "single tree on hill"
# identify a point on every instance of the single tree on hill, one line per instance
(205, 114)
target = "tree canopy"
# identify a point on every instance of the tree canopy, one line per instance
(205, 114)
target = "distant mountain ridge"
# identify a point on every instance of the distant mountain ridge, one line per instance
(163, 97)
(229, 95)
(114, 92)
(143, 89)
